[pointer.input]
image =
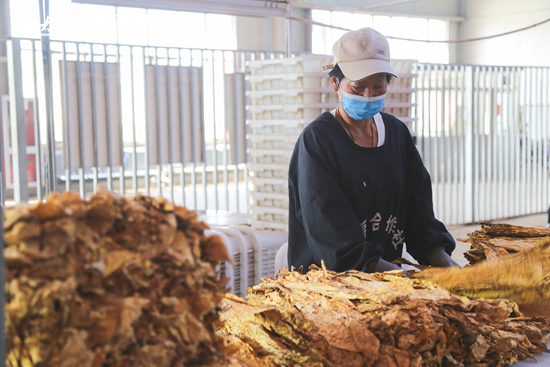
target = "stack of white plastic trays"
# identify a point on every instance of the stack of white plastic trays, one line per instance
(253, 252)
(238, 272)
(285, 95)
(399, 101)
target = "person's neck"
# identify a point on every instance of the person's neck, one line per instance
(362, 132)
(350, 121)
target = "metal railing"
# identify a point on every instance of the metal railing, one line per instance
(483, 133)
(132, 119)
(171, 122)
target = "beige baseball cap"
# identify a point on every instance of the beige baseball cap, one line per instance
(362, 53)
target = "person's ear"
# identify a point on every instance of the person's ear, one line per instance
(334, 83)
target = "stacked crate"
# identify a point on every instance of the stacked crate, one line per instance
(399, 100)
(253, 252)
(285, 95)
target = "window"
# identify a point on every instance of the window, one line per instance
(401, 27)
(108, 24)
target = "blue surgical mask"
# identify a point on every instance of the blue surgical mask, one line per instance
(362, 108)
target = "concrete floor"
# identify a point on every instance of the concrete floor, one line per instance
(462, 231)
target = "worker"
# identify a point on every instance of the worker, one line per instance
(357, 186)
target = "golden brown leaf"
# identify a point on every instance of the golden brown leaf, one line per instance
(382, 319)
(110, 282)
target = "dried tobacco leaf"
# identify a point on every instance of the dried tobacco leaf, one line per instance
(505, 229)
(358, 319)
(269, 336)
(495, 240)
(111, 282)
(523, 277)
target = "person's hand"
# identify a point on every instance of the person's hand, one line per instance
(383, 265)
(439, 258)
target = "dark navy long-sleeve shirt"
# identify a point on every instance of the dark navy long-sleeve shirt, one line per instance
(351, 205)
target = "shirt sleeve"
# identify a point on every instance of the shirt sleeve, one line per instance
(423, 231)
(332, 230)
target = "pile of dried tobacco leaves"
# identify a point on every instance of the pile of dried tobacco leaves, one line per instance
(324, 318)
(494, 240)
(522, 277)
(110, 282)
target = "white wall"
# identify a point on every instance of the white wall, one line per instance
(489, 17)
(428, 8)
(453, 48)
(255, 33)
(468, 19)
(269, 33)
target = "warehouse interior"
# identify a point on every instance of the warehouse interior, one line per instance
(486, 42)
(199, 103)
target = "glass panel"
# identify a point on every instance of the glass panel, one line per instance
(383, 25)
(418, 29)
(166, 28)
(220, 32)
(401, 28)
(339, 19)
(319, 44)
(360, 20)
(25, 19)
(321, 36)
(438, 52)
(78, 22)
(132, 26)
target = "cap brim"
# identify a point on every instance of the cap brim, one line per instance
(361, 69)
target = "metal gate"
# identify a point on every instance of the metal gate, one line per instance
(132, 119)
(171, 122)
(483, 133)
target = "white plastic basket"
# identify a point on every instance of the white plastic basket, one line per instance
(403, 65)
(266, 243)
(399, 109)
(296, 96)
(270, 200)
(261, 248)
(401, 89)
(276, 217)
(288, 65)
(288, 81)
(275, 226)
(233, 273)
(270, 185)
(273, 141)
(277, 213)
(295, 111)
(270, 156)
(287, 94)
(292, 127)
(405, 80)
(400, 95)
(276, 171)
(246, 254)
